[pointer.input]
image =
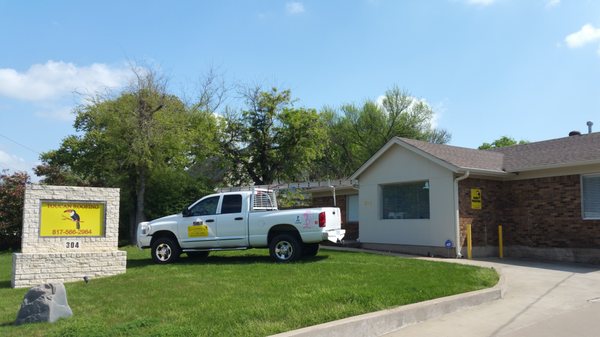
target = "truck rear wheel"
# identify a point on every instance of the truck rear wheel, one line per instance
(165, 250)
(285, 248)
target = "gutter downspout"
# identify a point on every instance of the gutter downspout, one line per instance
(457, 211)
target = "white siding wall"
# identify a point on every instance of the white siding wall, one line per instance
(400, 165)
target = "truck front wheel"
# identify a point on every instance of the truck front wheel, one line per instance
(165, 250)
(285, 248)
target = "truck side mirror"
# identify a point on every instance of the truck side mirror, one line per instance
(186, 212)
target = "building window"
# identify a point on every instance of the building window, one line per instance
(352, 208)
(590, 195)
(405, 200)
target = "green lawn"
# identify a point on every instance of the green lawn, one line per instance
(240, 294)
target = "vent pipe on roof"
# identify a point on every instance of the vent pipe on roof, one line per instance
(589, 124)
(574, 133)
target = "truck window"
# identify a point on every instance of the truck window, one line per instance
(205, 207)
(231, 204)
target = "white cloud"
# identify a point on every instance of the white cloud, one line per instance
(55, 80)
(294, 8)
(13, 162)
(552, 3)
(587, 34)
(481, 2)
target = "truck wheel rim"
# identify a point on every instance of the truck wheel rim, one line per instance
(284, 250)
(163, 252)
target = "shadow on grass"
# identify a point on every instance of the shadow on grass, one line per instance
(4, 284)
(222, 260)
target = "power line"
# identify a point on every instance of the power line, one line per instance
(21, 145)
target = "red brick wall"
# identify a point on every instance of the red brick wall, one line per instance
(350, 227)
(538, 213)
(484, 222)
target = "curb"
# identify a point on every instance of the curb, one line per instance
(385, 321)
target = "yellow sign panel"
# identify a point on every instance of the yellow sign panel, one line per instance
(197, 231)
(476, 198)
(72, 218)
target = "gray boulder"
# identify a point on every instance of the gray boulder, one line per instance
(44, 303)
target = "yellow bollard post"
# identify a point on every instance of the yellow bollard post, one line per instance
(500, 243)
(469, 243)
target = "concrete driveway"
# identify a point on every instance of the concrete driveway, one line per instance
(541, 299)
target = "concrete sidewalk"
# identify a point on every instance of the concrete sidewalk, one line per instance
(541, 299)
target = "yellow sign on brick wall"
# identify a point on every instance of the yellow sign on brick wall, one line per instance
(475, 198)
(72, 218)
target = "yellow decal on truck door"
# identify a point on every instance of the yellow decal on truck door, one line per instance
(197, 231)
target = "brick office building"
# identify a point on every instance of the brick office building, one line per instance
(418, 197)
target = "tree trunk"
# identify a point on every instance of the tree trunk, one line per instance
(139, 204)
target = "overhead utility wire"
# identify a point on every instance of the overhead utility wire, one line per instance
(23, 146)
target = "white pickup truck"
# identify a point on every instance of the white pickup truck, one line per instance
(240, 220)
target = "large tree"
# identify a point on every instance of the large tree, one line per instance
(271, 139)
(144, 134)
(357, 132)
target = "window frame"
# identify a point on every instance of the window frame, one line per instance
(348, 220)
(583, 211)
(424, 182)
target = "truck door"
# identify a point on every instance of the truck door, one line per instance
(198, 227)
(232, 230)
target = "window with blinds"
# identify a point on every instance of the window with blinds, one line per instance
(590, 195)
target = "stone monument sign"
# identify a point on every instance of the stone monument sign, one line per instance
(68, 233)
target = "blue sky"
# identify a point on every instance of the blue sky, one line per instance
(527, 69)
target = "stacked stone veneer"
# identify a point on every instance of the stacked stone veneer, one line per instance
(47, 260)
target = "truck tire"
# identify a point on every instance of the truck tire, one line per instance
(285, 248)
(310, 249)
(165, 250)
(198, 255)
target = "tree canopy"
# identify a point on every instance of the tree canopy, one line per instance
(357, 132)
(271, 139)
(501, 142)
(143, 135)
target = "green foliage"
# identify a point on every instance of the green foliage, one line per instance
(170, 190)
(240, 293)
(293, 198)
(12, 196)
(501, 142)
(132, 139)
(272, 139)
(357, 132)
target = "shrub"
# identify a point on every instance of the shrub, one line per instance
(12, 196)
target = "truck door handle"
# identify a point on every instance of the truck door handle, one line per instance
(210, 220)
(240, 218)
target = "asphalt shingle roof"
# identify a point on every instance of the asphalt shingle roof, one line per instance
(461, 157)
(565, 151)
